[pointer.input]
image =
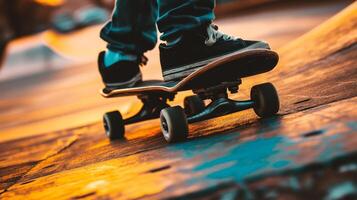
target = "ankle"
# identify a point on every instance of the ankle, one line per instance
(112, 57)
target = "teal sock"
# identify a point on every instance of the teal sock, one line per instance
(112, 57)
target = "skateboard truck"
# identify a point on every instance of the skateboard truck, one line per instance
(174, 120)
(219, 90)
(151, 108)
(220, 105)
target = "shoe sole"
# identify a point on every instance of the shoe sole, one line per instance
(183, 71)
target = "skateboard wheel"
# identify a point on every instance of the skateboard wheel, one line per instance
(114, 125)
(174, 125)
(193, 105)
(266, 100)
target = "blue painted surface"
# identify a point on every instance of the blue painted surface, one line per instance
(352, 125)
(220, 159)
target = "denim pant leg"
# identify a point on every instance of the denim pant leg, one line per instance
(177, 16)
(132, 28)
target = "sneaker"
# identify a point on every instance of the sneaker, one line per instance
(196, 49)
(122, 74)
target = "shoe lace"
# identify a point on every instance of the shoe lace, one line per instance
(213, 35)
(142, 60)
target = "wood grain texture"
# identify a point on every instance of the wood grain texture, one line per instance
(258, 150)
(19, 156)
(39, 99)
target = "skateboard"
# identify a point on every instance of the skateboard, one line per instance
(214, 82)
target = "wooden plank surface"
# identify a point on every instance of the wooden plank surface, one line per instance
(19, 156)
(39, 98)
(118, 170)
(316, 79)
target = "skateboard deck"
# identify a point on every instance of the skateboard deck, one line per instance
(228, 68)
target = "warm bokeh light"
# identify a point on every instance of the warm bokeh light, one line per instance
(50, 2)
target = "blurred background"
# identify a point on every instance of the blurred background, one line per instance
(21, 18)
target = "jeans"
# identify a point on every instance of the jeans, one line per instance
(132, 28)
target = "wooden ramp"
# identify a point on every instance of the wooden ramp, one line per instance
(309, 151)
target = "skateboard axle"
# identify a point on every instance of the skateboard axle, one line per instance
(220, 107)
(151, 109)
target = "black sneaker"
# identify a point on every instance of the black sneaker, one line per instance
(122, 74)
(196, 49)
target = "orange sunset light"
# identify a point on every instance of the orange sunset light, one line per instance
(50, 2)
